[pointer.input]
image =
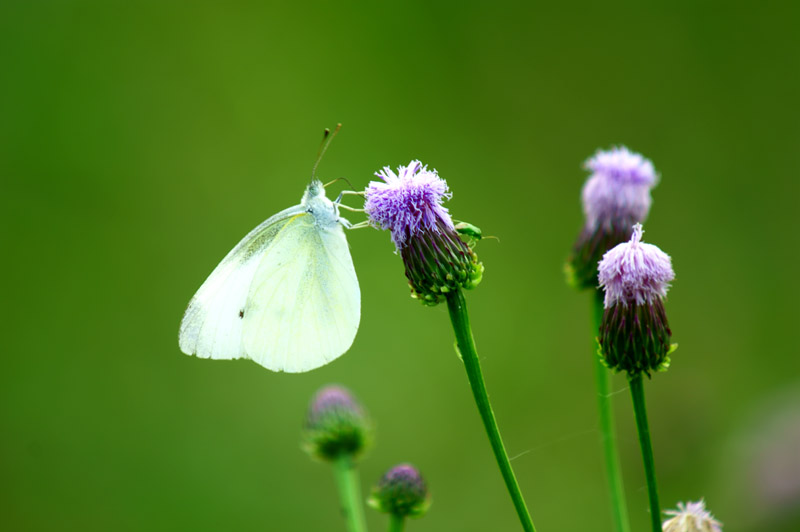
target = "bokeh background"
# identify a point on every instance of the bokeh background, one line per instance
(139, 141)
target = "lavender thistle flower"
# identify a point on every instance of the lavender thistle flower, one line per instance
(409, 204)
(438, 265)
(616, 196)
(401, 492)
(691, 517)
(634, 332)
(336, 424)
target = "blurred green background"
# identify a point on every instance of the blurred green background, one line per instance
(139, 141)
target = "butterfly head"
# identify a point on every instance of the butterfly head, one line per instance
(313, 190)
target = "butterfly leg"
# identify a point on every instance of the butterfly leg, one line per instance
(359, 225)
(351, 209)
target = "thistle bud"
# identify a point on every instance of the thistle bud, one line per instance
(336, 425)
(691, 517)
(409, 204)
(616, 196)
(402, 492)
(634, 332)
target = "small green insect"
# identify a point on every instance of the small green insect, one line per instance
(472, 233)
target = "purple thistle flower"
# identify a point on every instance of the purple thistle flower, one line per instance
(691, 517)
(335, 424)
(401, 491)
(619, 188)
(635, 273)
(331, 399)
(409, 204)
(616, 196)
(634, 332)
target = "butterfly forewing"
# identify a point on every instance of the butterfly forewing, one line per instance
(212, 324)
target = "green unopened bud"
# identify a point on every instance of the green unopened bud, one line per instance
(401, 492)
(336, 425)
(438, 262)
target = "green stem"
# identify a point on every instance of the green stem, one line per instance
(350, 493)
(619, 509)
(396, 523)
(640, 411)
(466, 345)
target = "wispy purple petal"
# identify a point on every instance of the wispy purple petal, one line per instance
(408, 202)
(635, 273)
(619, 187)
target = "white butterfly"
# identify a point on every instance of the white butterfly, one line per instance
(286, 296)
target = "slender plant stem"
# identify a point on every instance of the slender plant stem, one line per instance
(466, 345)
(619, 508)
(396, 523)
(350, 493)
(640, 411)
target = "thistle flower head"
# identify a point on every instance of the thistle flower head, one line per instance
(635, 273)
(619, 188)
(409, 204)
(691, 517)
(336, 424)
(402, 492)
(634, 332)
(616, 196)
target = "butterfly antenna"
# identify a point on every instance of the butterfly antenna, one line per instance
(327, 138)
(338, 179)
